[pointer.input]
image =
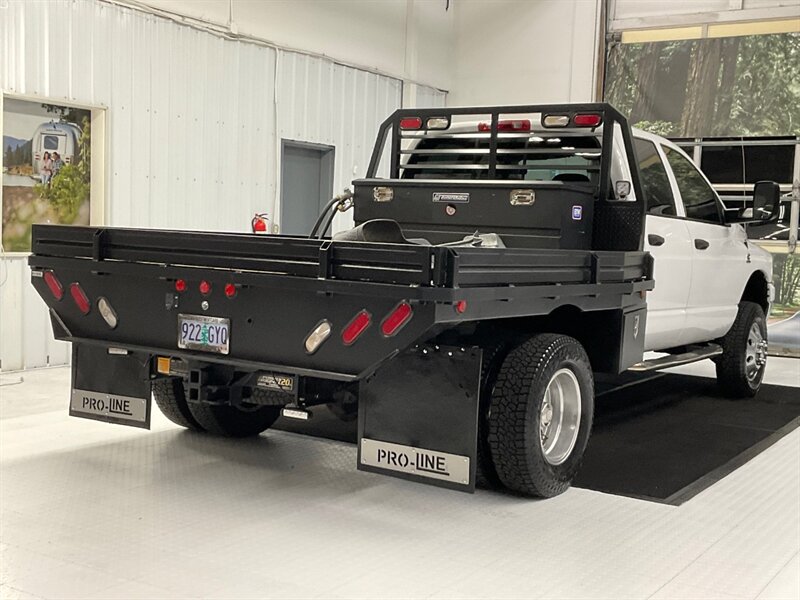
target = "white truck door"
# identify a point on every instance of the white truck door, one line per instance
(667, 239)
(719, 254)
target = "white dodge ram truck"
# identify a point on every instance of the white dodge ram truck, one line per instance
(713, 287)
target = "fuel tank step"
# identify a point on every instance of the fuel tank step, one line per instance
(673, 360)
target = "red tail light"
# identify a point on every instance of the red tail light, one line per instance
(79, 296)
(411, 123)
(587, 120)
(180, 285)
(396, 319)
(356, 327)
(230, 290)
(205, 288)
(460, 306)
(507, 125)
(54, 284)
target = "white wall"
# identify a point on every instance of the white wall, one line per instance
(194, 124)
(524, 51)
(409, 39)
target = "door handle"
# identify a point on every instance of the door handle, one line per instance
(655, 240)
(700, 244)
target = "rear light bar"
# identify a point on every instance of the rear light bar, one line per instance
(395, 320)
(356, 327)
(54, 284)
(80, 298)
(507, 125)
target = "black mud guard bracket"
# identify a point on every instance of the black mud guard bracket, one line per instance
(418, 417)
(111, 385)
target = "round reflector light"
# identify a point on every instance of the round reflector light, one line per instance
(180, 285)
(230, 290)
(205, 288)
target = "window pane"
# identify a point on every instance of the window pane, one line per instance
(723, 164)
(699, 199)
(768, 162)
(51, 142)
(655, 183)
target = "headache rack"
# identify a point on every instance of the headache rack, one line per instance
(495, 128)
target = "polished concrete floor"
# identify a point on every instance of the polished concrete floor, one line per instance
(89, 510)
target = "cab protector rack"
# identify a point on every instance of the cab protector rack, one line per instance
(229, 323)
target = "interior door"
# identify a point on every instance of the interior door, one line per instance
(306, 185)
(719, 254)
(667, 240)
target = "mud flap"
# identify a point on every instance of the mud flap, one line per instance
(110, 385)
(418, 417)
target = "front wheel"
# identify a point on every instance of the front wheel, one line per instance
(542, 407)
(740, 368)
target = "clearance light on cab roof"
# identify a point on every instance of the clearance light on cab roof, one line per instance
(395, 320)
(356, 327)
(319, 334)
(507, 125)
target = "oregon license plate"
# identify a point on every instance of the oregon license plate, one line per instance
(199, 332)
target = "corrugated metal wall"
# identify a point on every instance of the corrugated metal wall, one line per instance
(194, 124)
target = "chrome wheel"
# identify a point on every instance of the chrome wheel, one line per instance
(755, 353)
(560, 416)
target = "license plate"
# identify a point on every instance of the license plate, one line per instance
(209, 334)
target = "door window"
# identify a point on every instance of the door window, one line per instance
(699, 198)
(655, 183)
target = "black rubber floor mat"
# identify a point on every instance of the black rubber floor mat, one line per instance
(657, 437)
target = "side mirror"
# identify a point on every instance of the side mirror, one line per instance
(766, 201)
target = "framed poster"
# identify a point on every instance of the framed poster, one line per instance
(47, 167)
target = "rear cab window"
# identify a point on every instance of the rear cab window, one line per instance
(658, 195)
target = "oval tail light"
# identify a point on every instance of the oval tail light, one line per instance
(54, 284)
(356, 327)
(395, 320)
(80, 298)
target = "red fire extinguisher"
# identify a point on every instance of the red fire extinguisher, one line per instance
(260, 223)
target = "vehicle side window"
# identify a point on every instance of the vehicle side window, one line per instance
(698, 197)
(655, 183)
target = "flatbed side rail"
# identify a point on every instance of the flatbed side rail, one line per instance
(286, 255)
